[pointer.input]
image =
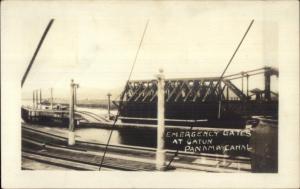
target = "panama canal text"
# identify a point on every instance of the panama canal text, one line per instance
(210, 141)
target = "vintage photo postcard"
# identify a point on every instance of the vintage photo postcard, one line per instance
(178, 94)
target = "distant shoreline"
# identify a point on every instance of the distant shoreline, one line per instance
(81, 103)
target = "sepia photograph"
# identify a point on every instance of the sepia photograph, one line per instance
(150, 87)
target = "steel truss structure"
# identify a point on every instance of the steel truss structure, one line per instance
(201, 98)
(199, 89)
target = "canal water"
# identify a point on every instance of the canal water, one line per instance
(139, 137)
(143, 137)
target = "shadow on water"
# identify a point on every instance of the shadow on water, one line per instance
(138, 137)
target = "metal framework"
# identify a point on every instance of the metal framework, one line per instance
(199, 89)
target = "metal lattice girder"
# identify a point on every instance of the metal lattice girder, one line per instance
(173, 87)
(185, 90)
(142, 93)
(208, 90)
(233, 88)
(192, 89)
(135, 90)
(197, 90)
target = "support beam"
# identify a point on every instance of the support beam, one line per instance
(160, 151)
(75, 97)
(33, 100)
(41, 98)
(247, 85)
(108, 105)
(71, 138)
(219, 109)
(227, 92)
(36, 99)
(267, 84)
(51, 91)
(136, 90)
(179, 92)
(242, 82)
(153, 96)
(173, 91)
(222, 92)
(208, 89)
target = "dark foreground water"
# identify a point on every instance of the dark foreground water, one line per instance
(230, 142)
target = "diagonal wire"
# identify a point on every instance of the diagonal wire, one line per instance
(177, 150)
(36, 52)
(233, 56)
(122, 96)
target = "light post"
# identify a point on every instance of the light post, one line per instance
(108, 105)
(71, 138)
(160, 151)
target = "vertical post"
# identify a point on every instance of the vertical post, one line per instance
(75, 97)
(243, 104)
(220, 101)
(51, 91)
(247, 85)
(267, 84)
(108, 105)
(219, 109)
(33, 100)
(71, 138)
(227, 92)
(76, 86)
(41, 98)
(160, 151)
(37, 99)
(242, 82)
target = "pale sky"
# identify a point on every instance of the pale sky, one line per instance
(95, 42)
